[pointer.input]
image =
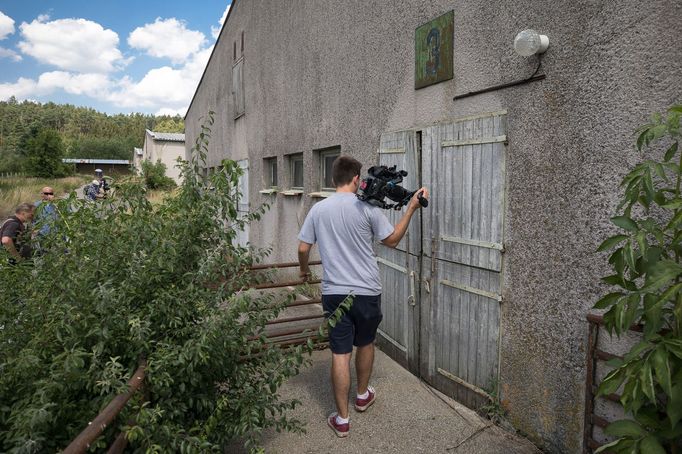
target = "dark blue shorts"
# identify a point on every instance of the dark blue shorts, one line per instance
(358, 326)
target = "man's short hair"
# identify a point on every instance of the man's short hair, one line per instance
(24, 208)
(344, 169)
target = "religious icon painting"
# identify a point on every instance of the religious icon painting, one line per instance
(433, 51)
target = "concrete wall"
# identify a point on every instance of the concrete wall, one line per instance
(320, 74)
(166, 151)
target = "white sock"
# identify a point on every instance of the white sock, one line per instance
(365, 395)
(340, 420)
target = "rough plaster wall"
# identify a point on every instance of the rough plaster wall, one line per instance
(168, 152)
(320, 74)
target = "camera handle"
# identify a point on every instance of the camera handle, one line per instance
(422, 201)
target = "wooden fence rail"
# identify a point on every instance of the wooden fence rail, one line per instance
(283, 339)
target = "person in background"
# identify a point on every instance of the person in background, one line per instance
(46, 211)
(103, 185)
(12, 233)
(92, 191)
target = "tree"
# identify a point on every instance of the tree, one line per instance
(44, 155)
(154, 175)
(647, 265)
(170, 124)
(122, 279)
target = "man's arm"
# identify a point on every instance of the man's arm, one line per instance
(8, 244)
(303, 258)
(401, 227)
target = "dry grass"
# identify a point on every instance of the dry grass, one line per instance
(157, 196)
(14, 191)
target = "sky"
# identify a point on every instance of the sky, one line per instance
(114, 56)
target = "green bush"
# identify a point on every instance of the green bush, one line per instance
(155, 175)
(101, 147)
(124, 279)
(647, 265)
(44, 153)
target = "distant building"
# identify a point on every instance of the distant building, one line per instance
(109, 166)
(164, 146)
(138, 153)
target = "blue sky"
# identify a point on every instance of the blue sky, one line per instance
(115, 56)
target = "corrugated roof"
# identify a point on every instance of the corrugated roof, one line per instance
(94, 161)
(167, 136)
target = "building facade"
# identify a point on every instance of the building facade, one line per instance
(161, 146)
(487, 295)
(110, 167)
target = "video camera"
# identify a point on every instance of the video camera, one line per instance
(385, 182)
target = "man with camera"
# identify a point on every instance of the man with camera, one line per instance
(345, 228)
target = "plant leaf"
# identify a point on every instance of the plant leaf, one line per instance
(647, 380)
(625, 428)
(661, 364)
(674, 407)
(671, 152)
(608, 300)
(611, 382)
(660, 274)
(610, 242)
(625, 222)
(650, 445)
(613, 444)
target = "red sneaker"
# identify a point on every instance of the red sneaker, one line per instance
(341, 430)
(363, 404)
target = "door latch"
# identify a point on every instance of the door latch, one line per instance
(412, 300)
(427, 285)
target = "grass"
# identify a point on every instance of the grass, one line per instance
(14, 191)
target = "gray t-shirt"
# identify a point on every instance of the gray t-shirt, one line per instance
(345, 228)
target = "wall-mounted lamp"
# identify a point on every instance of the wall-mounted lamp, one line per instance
(529, 42)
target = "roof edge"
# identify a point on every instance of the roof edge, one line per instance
(229, 13)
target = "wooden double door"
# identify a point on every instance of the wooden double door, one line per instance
(442, 285)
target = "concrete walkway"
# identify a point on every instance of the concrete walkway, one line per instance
(408, 417)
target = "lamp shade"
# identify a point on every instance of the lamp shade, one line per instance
(529, 42)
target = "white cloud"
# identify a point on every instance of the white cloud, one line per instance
(22, 88)
(215, 31)
(163, 88)
(72, 44)
(171, 112)
(92, 85)
(9, 53)
(6, 25)
(167, 38)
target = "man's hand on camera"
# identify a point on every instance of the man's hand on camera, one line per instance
(414, 202)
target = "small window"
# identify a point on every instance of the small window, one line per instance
(270, 172)
(296, 171)
(234, 51)
(242, 47)
(238, 88)
(327, 158)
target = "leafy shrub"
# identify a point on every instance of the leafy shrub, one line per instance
(101, 147)
(44, 155)
(155, 175)
(123, 279)
(648, 271)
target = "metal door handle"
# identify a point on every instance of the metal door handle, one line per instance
(412, 301)
(427, 285)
